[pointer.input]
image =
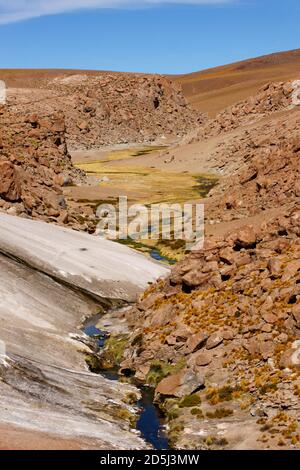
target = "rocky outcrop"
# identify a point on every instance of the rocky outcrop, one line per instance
(272, 98)
(112, 108)
(35, 166)
(267, 177)
(228, 314)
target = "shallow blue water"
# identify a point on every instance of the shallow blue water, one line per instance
(155, 254)
(94, 332)
(150, 423)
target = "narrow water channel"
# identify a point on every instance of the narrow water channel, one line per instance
(150, 422)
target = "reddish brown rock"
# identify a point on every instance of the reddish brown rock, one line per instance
(214, 340)
(182, 333)
(291, 358)
(196, 342)
(162, 316)
(296, 314)
(270, 318)
(109, 109)
(149, 301)
(274, 266)
(202, 358)
(34, 163)
(244, 238)
(195, 278)
(10, 184)
(179, 385)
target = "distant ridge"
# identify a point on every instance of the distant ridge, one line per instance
(213, 89)
(209, 90)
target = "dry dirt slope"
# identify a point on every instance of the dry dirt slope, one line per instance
(214, 89)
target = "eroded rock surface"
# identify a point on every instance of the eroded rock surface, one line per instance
(51, 280)
(46, 389)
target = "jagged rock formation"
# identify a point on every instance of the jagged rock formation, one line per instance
(271, 98)
(262, 168)
(34, 167)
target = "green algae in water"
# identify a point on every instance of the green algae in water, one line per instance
(205, 184)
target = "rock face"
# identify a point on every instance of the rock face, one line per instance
(35, 165)
(46, 390)
(10, 184)
(112, 108)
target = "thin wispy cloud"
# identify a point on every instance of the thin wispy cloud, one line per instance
(18, 10)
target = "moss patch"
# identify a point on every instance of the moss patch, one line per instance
(114, 351)
(159, 370)
(93, 363)
(219, 413)
(190, 400)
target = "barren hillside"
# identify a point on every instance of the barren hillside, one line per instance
(214, 89)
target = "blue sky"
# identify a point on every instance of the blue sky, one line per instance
(162, 36)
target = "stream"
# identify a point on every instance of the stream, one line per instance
(150, 422)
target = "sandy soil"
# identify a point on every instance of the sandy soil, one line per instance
(17, 438)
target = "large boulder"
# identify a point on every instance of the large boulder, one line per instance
(10, 184)
(180, 384)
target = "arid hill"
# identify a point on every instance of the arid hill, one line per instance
(32, 78)
(214, 89)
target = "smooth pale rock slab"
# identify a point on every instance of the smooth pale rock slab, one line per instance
(51, 278)
(46, 388)
(102, 268)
